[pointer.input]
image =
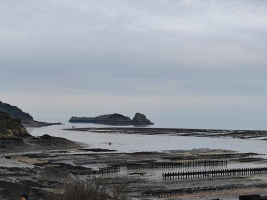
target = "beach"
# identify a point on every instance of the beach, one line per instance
(45, 162)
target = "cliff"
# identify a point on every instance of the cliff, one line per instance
(15, 112)
(113, 119)
(25, 118)
(11, 127)
(141, 119)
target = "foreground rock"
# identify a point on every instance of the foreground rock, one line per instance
(30, 143)
(51, 169)
(20, 172)
(10, 127)
(113, 119)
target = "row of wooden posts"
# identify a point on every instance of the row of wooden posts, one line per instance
(213, 173)
(161, 193)
(204, 163)
(107, 170)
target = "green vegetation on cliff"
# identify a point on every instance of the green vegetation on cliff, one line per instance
(10, 126)
(117, 117)
(15, 112)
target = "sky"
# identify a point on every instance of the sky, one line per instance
(163, 58)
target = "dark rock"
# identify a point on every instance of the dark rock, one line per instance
(66, 168)
(39, 124)
(10, 127)
(97, 150)
(25, 118)
(10, 190)
(117, 117)
(46, 137)
(56, 142)
(113, 119)
(141, 118)
(2, 144)
(51, 173)
(250, 197)
(15, 112)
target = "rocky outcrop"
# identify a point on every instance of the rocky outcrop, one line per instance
(25, 118)
(141, 118)
(15, 112)
(113, 119)
(10, 127)
(110, 118)
(117, 117)
(39, 124)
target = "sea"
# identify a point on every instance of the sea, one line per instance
(136, 143)
(194, 123)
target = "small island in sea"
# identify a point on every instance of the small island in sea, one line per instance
(113, 119)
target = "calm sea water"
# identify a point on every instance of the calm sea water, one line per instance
(205, 123)
(134, 142)
(211, 124)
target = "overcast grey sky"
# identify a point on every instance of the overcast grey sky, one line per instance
(174, 58)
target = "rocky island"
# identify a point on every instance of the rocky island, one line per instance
(113, 119)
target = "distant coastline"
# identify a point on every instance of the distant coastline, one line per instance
(39, 124)
(25, 118)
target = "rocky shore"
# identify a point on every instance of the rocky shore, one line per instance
(30, 143)
(20, 170)
(42, 165)
(43, 173)
(38, 124)
(213, 133)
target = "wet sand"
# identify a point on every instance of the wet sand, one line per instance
(217, 133)
(44, 164)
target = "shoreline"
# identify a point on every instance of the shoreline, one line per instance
(44, 163)
(213, 133)
(141, 181)
(36, 124)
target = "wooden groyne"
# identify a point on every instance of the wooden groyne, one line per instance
(213, 173)
(205, 163)
(159, 193)
(108, 170)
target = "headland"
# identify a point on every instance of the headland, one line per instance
(25, 118)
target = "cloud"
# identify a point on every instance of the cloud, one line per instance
(165, 48)
(174, 31)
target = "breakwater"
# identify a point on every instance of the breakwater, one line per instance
(213, 173)
(205, 163)
(108, 170)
